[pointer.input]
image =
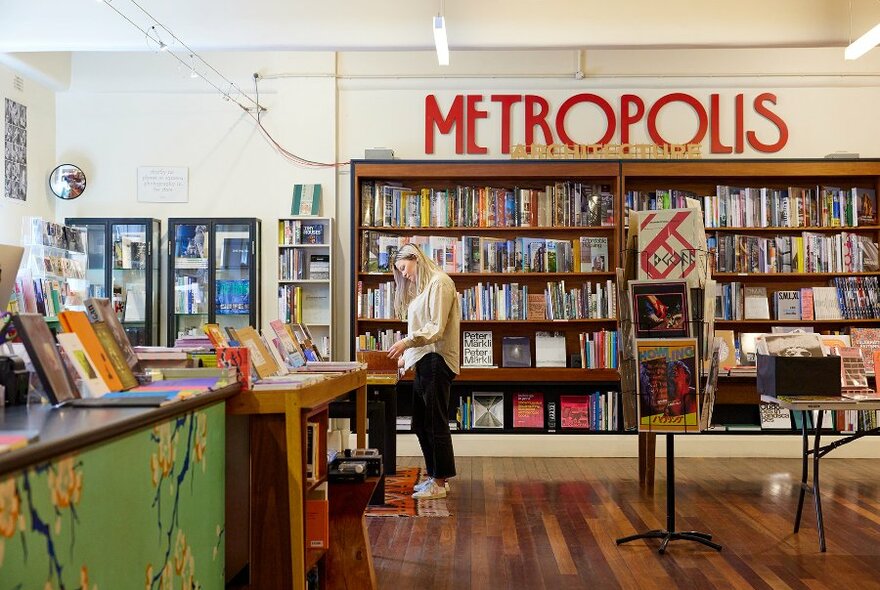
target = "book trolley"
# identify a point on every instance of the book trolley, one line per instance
(665, 327)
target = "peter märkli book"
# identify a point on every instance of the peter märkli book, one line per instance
(477, 349)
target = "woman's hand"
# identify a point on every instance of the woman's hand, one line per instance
(397, 349)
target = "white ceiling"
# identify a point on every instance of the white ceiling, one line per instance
(400, 25)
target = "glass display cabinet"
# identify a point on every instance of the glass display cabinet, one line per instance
(213, 274)
(123, 266)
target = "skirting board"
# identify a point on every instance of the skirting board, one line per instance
(626, 445)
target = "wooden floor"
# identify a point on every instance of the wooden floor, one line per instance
(552, 523)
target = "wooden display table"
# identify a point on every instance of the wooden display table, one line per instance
(278, 484)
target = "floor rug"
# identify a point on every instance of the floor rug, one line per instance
(399, 500)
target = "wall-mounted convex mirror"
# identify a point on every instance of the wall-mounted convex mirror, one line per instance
(67, 181)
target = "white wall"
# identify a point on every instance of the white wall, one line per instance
(40, 103)
(130, 110)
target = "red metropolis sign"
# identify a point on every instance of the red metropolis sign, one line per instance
(540, 123)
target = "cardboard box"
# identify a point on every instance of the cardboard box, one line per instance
(782, 375)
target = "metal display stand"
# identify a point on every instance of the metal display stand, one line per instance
(669, 533)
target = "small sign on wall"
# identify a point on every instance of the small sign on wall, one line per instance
(159, 184)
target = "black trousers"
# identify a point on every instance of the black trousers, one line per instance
(430, 421)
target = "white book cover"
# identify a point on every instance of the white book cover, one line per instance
(672, 245)
(83, 364)
(549, 350)
(756, 305)
(477, 349)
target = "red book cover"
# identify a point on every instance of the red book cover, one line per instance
(528, 410)
(575, 411)
(806, 303)
(238, 357)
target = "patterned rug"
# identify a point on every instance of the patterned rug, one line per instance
(399, 500)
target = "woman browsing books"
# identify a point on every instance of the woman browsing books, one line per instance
(426, 297)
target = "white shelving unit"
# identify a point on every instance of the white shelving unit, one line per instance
(305, 276)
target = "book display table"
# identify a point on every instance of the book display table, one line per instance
(278, 423)
(806, 404)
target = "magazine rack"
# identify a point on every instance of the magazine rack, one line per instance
(694, 325)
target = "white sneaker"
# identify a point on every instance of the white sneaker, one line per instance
(423, 484)
(431, 492)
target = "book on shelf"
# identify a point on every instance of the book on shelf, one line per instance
(550, 349)
(306, 199)
(787, 304)
(726, 349)
(233, 296)
(552, 416)
(236, 253)
(748, 348)
(756, 305)
(528, 410)
(774, 417)
(488, 410)
(593, 254)
(319, 266)
(710, 389)
(574, 411)
(668, 385)
(866, 205)
(476, 349)
(312, 233)
(833, 341)
(135, 304)
(537, 306)
(868, 339)
(516, 351)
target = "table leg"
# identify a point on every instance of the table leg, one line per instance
(361, 416)
(804, 465)
(817, 498)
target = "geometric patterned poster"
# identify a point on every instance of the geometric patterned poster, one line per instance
(15, 162)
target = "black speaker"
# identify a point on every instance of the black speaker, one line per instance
(14, 378)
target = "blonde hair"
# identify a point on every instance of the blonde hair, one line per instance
(405, 291)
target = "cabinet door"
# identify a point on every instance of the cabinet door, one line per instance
(189, 277)
(234, 298)
(96, 264)
(130, 250)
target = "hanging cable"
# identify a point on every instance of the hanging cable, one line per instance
(226, 88)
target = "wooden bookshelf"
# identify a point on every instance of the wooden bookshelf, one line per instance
(703, 178)
(440, 176)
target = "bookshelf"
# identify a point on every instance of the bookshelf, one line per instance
(52, 276)
(123, 266)
(305, 276)
(490, 224)
(757, 210)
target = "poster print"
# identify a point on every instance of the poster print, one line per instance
(668, 385)
(15, 160)
(660, 309)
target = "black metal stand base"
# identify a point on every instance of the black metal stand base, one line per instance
(670, 534)
(703, 538)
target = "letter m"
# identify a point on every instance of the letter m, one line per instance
(455, 118)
